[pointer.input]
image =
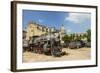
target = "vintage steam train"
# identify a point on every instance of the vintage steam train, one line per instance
(48, 45)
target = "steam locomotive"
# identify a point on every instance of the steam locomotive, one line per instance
(48, 45)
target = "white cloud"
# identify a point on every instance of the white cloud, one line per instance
(68, 30)
(78, 17)
(40, 20)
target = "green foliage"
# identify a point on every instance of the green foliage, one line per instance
(66, 38)
(88, 35)
(71, 37)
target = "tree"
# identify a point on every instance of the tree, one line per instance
(88, 35)
(84, 36)
(66, 38)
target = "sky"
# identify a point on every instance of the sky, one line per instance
(73, 22)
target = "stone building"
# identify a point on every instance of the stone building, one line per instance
(35, 30)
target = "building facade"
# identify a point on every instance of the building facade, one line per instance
(35, 30)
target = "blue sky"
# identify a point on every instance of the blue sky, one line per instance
(73, 22)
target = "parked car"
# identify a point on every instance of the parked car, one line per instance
(83, 43)
(75, 44)
(88, 44)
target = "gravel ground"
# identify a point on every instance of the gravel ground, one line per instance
(72, 54)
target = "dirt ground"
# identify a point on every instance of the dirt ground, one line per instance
(72, 54)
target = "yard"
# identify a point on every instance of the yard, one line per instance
(72, 54)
